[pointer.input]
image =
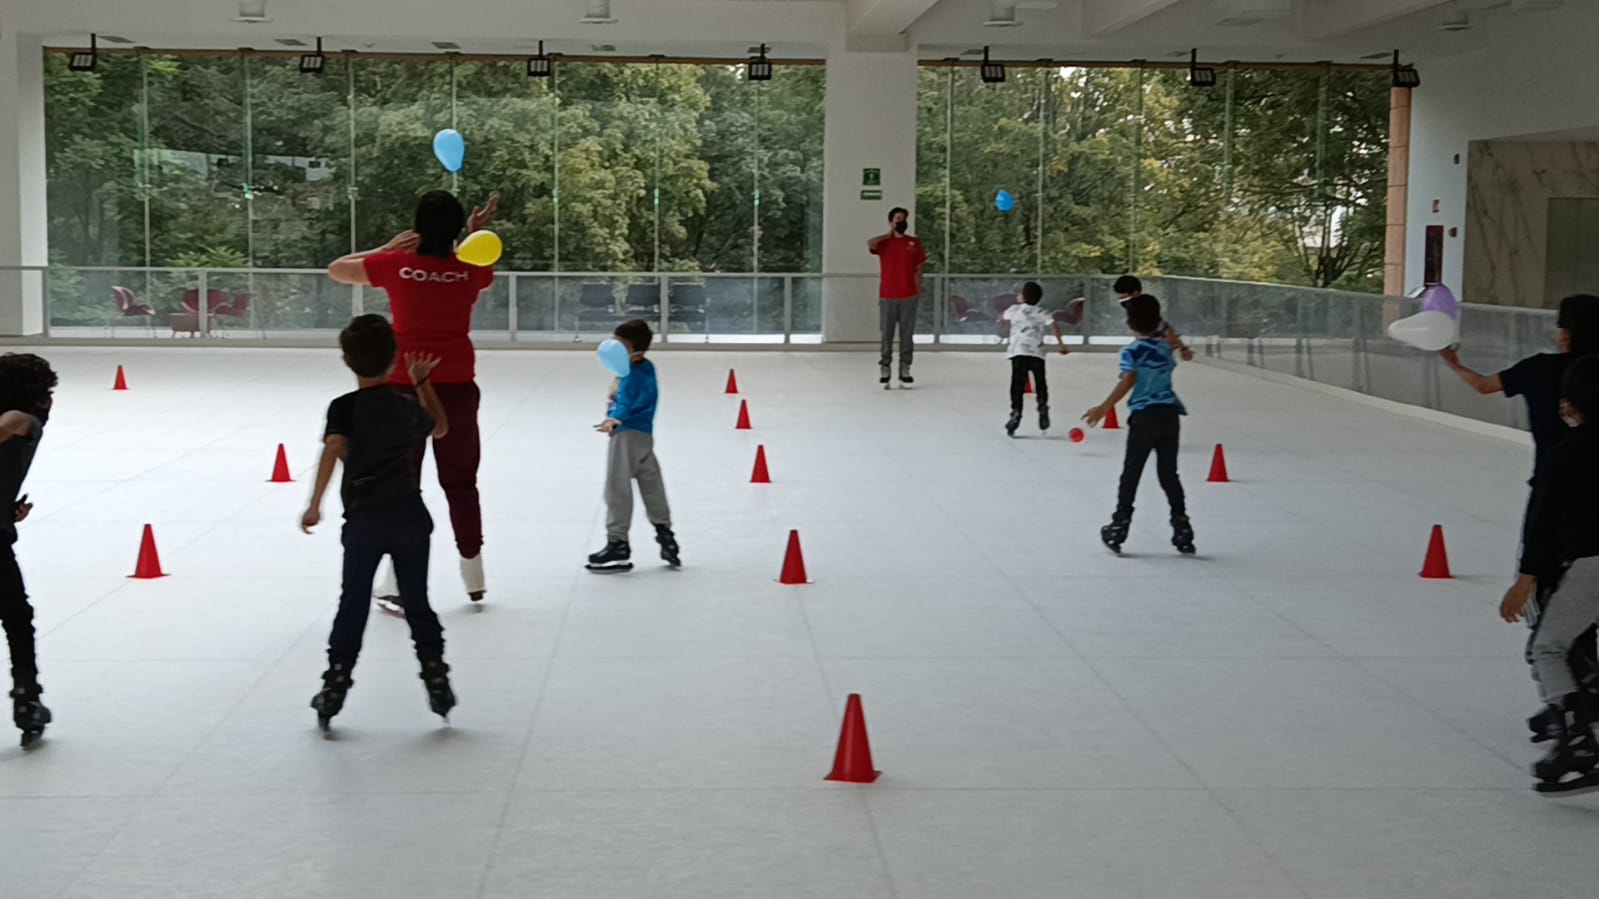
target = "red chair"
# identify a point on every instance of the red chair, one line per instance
(239, 308)
(966, 313)
(128, 306)
(215, 300)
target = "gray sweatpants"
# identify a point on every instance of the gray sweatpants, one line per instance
(900, 314)
(632, 457)
(1572, 609)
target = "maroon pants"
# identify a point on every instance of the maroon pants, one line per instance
(456, 455)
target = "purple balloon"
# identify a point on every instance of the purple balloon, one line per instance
(1438, 298)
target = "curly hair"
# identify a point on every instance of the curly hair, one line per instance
(26, 382)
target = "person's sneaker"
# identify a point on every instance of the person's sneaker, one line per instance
(1014, 422)
(1113, 535)
(1043, 417)
(668, 542)
(1182, 535)
(616, 556)
(472, 575)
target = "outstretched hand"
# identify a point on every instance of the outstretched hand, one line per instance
(1094, 416)
(405, 241)
(23, 507)
(420, 365)
(480, 215)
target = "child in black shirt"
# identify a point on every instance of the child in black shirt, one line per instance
(373, 431)
(26, 382)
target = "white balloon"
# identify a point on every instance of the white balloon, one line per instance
(1431, 331)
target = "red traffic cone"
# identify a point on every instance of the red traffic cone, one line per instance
(1029, 385)
(760, 475)
(1111, 424)
(149, 567)
(280, 469)
(743, 416)
(1218, 467)
(732, 382)
(793, 563)
(1436, 566)
(852, 764)
(122, 380)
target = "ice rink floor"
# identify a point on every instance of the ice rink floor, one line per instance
(1293, 713)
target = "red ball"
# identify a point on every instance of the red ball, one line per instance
(1076, 434)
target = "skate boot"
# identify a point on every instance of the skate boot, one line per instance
(905, 378)
(668, 542)
(387, 594)
(1182, 534)
(883, 376)
(1569, 768)
(1014, 422)
(436, 678)
(1113, 535)
(472, 574)
(1545, 725)
(616, 556)
(1043, 417)
(336, 684)
(29, 714)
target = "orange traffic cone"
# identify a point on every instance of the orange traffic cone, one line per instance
(1218, 467)
(1111, 423)
(760, 475)
(732, 382)
(852, 764)
(743, 416)
(793, 563)
(280, 469)
(149, 567)
(1436, 566)
(1029, 385)
(122, 380)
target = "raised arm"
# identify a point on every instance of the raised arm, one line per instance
(351, 269)
(873, 243)
(420, 367)
(1483, 384)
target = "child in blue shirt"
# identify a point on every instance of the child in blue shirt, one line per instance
(630, 424)
(1154, 425)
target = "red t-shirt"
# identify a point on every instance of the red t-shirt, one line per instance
(901, 258)
(431, 300)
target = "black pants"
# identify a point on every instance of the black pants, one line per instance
(1020, 368)
(17, 616)
(401, 531)
(1153, 429)
(1584, 655)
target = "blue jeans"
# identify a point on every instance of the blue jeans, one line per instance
(402, 531)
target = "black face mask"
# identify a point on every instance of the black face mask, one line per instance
(900, 226)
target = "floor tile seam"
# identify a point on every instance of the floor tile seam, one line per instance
(1519, 766)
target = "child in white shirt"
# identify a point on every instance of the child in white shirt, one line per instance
(1024, 324)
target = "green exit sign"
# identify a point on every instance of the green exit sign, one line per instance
(871, 177)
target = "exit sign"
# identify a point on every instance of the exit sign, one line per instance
(871, 177)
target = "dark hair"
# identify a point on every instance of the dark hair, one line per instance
(637, 334)
(1580, 388)
(1143, 314)
(25, 384)
(1579, 318)
(896, 211)
(1129, 285)
(1032, 293)
(439, 221)
(369, 346)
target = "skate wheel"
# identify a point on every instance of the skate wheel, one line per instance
(610, 569)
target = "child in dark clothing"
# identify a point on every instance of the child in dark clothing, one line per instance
(1154, 425)
(1564, 534)
(26, 382)
(374, 431)
(630, 424)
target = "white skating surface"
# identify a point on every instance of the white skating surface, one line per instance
(1292, 714)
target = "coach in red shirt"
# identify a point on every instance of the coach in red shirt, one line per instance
(901, 257)
(431, 297)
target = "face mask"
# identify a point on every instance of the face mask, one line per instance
(900, 227)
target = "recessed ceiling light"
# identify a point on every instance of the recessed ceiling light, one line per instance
(292, 42)
(597, 12)
(447, 45)
(1380, 54)
(252, 12)
(114, 39)
(603, 48)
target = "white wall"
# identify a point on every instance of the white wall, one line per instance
(1536, 78)
(23, 237)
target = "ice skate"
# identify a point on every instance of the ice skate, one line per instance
(1570, 767)
(1182, 535)
(29, 714)
(1043, 417)
(905, 379)
(883, 377)
(387, 594)
(616, 556)
(1113, 535)
(669, 548)
(436, 678)
(329, 702)
(1013, 423)
(472, 574)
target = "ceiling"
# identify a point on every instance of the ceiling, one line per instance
(1311, 30)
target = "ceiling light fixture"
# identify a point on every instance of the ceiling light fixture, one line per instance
(1198, 75)
(252, 12)
(759, 67)
(990, 71)
(85, 60)
(1002, 15)
(597, 12)
(313, 63)
(540, 65)
(1405, 77)
(1455, 19)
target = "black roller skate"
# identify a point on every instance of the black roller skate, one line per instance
(884, 376)
(336, 684)
(1014, 422)
(905, 379)
(668, 542)
(1113, 535)
(1570, 767)
(29, 714)
(436, 678)
(616, 556)
(1182, 534)
(1043, 417)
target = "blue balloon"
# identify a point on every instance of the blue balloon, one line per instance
(615, 357)
(450, 147)
(1004, 202)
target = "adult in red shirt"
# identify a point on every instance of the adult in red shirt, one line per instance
(431, 297)
(899, 292)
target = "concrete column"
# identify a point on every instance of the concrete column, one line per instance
(1393, 280)
(871, 124)
(23, 219)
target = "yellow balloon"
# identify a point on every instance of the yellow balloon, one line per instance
(480, 248)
